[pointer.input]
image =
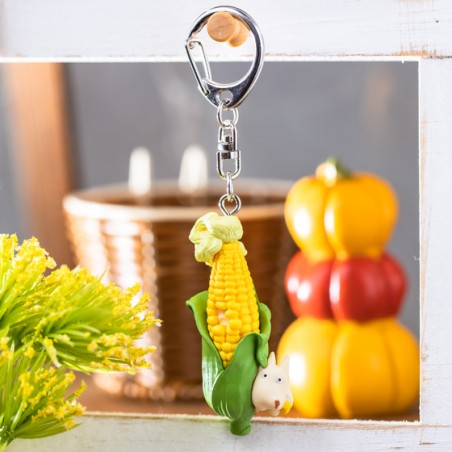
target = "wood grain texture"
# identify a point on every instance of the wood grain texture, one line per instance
(208, 433)
(435, 110)
(293, 30)
(41, 155)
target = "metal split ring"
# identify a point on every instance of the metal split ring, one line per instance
(226, 123)
(224, 199)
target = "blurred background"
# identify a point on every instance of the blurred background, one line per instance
(66, 127)
(73, 126)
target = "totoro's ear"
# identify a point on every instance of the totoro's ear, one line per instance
(271, 359)
(286, 363)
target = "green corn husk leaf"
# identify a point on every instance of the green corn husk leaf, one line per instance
(228, 391)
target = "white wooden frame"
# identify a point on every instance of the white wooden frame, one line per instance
(304, 30)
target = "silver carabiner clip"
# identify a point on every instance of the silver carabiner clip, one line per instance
(240, 89)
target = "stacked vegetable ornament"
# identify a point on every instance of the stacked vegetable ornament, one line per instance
(349, 357)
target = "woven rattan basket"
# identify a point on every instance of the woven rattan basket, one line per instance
(146, 240)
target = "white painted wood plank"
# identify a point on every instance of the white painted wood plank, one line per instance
(293, 29)
(435, 110)
(183, 433)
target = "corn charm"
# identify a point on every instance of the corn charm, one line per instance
(238, 375)
(232, 306)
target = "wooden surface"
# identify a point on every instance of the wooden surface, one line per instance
(224, 27)
(96, 400)
(41, 154)
(435, 112)
(102, 433)
(191, 427)
(293, 30)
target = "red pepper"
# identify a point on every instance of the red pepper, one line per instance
(358, 288)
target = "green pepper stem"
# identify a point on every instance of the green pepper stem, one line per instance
(342, 171)
(332, 171)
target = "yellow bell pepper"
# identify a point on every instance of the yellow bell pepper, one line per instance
(351, 369)
(336, 214)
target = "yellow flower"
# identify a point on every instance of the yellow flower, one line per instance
(25, 388)
(69, 423)
(92, 346)
(6, 353)
(68, 318)
(29, 352)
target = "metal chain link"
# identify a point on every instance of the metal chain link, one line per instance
(222, 107)
(227, 151)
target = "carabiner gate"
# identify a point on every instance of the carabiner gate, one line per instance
(240, 89)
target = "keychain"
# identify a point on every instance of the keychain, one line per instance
(239, 377)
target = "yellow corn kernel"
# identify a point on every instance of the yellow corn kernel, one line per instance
(233, 338)
(218, 330)
(212, 320)
(242, 298)
(231, 314)
(235, 324)
(227, 347)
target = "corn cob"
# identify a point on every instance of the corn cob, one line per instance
(232, 306)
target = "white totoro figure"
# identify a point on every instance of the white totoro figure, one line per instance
(271, 390)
